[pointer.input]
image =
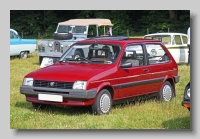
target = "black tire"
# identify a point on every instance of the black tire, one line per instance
(166, 92)
(62, 36)
(23, 55)
(38, 106)
(186, 89)
(40, 59)
(103, 103)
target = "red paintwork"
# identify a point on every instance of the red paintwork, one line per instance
(71, 102)
(101, 75)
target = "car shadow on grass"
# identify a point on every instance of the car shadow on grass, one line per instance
(139, 100)
(56, 109)
(79, 110)
(178, 122)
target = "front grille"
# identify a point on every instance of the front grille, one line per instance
(52, 84)
(41, 49)
(57, 46)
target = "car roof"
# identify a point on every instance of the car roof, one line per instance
(85, 22)
(122, 40)
(165, 33)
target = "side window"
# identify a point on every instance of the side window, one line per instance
(133, 54)
(184, 39)
(12, 35)
(92, 32)
(166, 40)
(176, 40)
(156, 54)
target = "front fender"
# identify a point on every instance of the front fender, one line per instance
(106, 85)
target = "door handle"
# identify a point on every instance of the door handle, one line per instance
(145, 69)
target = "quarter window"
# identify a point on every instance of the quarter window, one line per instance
(156, 54)
(184, 39)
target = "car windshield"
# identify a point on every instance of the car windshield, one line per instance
(92, 53)
(166, 39)
(71, 29)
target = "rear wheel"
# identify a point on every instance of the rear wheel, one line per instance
(103, 103)
(23, 55)
(166, 92)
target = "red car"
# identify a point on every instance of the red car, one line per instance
(99, 72)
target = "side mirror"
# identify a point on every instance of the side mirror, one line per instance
(55, 60)
(126, 65)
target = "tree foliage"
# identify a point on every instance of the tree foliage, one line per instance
(133, 22)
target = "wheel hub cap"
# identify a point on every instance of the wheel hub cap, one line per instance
(167, 93)
(105, 103)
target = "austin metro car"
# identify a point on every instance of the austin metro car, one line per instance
(101, 72)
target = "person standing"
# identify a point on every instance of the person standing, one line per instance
(188, 44)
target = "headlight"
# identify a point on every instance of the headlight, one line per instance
(50, 44)
(28, 81)
(188, 93)
(61, 45)
(40, 44)
(80, 85)
(153, 52)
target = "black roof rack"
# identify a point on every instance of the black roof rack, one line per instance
(111, 38)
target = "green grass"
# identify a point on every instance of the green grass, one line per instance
(140, 115)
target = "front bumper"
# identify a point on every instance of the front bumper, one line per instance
(186, 103)
(50, 54)
(176, 79)
(65, 93)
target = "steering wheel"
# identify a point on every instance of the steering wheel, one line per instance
(82, 58)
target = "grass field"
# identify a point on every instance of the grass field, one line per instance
(139, 115)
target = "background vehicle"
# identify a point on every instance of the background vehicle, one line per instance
(21, 47)
(186, 97)
(176, 44)
(69, 32)
(108, 70)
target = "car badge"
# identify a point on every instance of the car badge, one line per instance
(52, 84)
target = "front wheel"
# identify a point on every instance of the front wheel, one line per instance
(166, 92)
(23, 55)
(103, 103)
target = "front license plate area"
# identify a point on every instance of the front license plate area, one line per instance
(47, 97)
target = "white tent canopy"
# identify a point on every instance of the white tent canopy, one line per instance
(86, 22)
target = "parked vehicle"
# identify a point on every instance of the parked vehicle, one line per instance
(69, 32)
(21, 47)
(186, 97)
(107, 70)
(176, 44)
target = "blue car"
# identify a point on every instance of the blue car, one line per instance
(21, 47)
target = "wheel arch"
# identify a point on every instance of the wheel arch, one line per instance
(171, 81)
(106, 85)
